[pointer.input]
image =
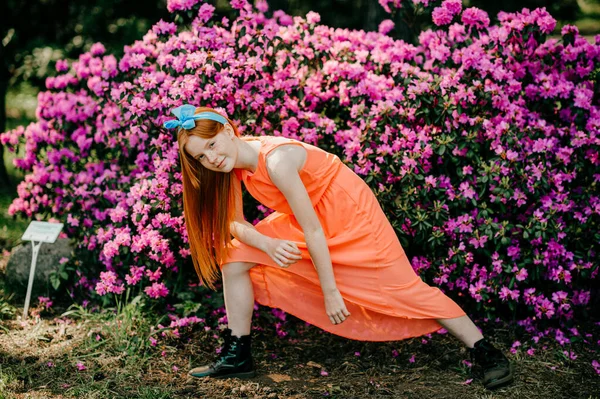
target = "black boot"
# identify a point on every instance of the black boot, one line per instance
(497, 370)
(235, 359)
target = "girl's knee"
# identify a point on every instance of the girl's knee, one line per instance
(237, 267)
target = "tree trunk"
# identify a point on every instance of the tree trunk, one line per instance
(4, 75)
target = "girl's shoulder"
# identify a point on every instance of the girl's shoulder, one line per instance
(272, 140)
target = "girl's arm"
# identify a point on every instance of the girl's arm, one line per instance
(283, 165)
(240, 228)
(247, 233)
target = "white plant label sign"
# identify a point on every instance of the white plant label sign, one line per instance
(38, 232)
(42, 231)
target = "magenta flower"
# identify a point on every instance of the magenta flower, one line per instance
(441, 16)
(45, 301)
(240, 4)
(180, 5)
(453, 6)
(596, 366)
(156, 290)
(475, 17)
(206, 12)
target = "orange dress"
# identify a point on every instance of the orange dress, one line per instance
(386, 298)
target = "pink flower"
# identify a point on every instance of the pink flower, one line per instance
(262, 6)
(324, 373)
(386, 4)
(313, 17)
(240, 4)
(441, 16)
(206, 12)
(521, 274)
(570, 355)
(46, 302)
(473, 16)
(154, 275)
(180, 5)
(62, 65)
(412, 359)
(97, 49)
(386, 26)
(164, 28)
(596, 366)
(80, 366)
(569, 29)
(453, 6)
(157, 290)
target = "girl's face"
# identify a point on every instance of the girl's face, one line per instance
(217, 154)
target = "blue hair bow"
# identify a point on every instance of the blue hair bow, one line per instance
(186, 117)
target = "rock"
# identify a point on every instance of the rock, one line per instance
(19, 263)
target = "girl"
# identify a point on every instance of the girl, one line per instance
(327, 255)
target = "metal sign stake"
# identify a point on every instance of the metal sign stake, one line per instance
(35, 250)
(38, 232)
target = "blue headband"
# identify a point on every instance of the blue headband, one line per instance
(185, 117)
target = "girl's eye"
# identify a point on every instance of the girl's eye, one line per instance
(211, 145)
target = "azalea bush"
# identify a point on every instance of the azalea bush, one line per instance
(480, 142)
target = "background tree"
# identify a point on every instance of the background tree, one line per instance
(36, 33)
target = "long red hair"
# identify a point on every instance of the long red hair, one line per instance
(208, 203)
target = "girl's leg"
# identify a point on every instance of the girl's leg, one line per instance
(236, 356)
(239, 296)
(462, 328)
(497, 370)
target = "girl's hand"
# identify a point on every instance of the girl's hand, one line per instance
(335, 307)
(283, 252)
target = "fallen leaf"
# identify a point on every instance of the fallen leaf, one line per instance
(279, 377)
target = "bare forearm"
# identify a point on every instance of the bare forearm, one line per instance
(319, 252)
(247, 233)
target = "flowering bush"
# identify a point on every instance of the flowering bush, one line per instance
(481, 143)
